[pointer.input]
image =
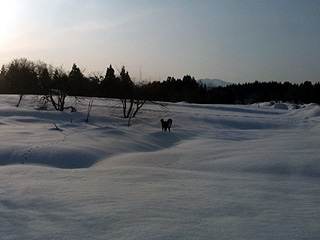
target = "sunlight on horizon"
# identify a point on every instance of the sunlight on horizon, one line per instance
(8, 13)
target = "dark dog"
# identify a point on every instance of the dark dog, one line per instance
(166, 124)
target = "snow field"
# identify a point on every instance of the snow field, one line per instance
(224, 172)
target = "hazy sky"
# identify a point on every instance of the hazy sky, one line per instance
(233, 40)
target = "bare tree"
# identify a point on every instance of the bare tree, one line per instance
(57, 91)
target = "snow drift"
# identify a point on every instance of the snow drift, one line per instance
(281, 106)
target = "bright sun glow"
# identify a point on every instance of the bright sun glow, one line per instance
(7, 16)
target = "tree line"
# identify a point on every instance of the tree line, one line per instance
(22, 76)
(189, 90)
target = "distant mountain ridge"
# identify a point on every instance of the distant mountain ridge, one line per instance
(214, 82)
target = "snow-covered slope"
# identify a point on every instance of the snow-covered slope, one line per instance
(223, 172)
(214, 82)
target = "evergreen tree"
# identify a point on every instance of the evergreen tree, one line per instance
(78, 83)
(44, 78)
(111, 84)
(126, 94)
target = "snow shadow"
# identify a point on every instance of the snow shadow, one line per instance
(51, 157)
(162, 140)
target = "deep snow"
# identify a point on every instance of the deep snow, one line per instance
(224, 172)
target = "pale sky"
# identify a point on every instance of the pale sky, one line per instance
(233, 40)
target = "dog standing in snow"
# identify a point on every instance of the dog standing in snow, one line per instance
(166, 124)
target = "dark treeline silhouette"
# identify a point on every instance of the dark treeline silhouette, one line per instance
(266, 91)
(189, 90)
(22, 76)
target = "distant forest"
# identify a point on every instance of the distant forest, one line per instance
(22, 76)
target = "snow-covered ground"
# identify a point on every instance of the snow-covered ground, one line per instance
(223, 172)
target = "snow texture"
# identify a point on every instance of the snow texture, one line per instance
(223, 172)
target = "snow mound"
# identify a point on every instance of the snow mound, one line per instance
(310, 105)
(307, 112)
(265, 104)
(282, 106)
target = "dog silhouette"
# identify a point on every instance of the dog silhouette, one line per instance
(166, 124)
